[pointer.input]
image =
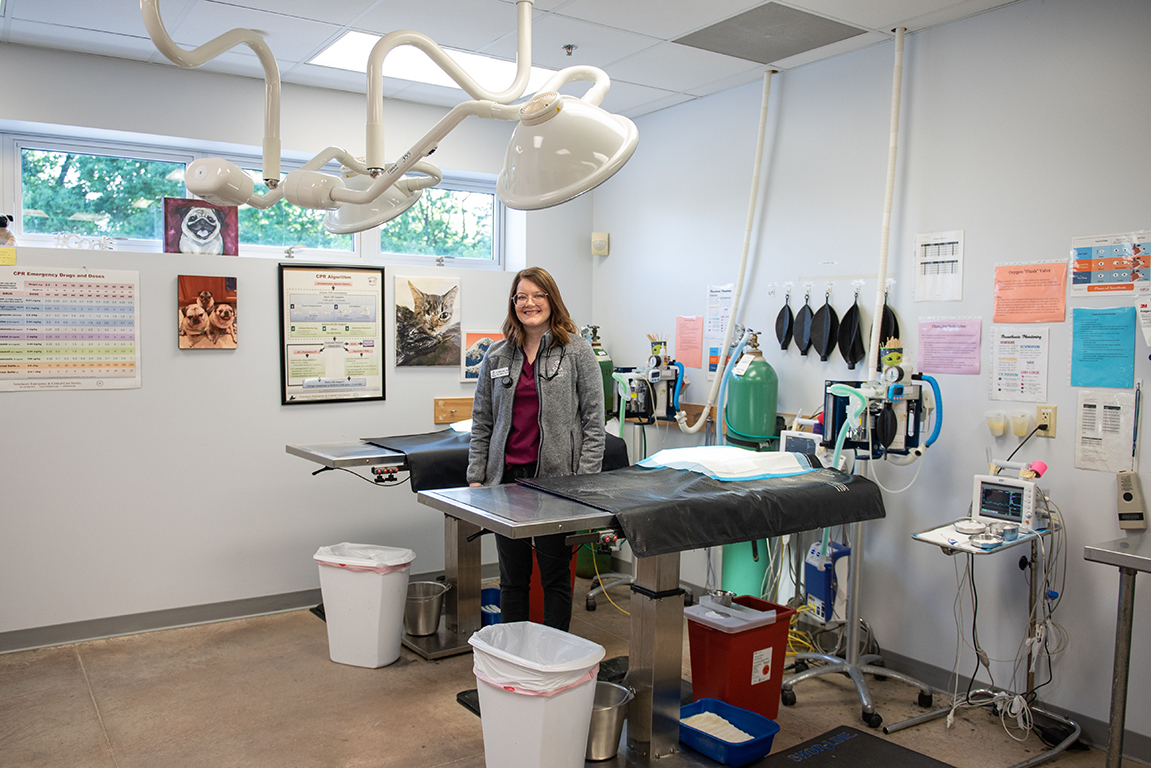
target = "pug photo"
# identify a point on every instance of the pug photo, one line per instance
(197, 227)
(206, 308)
(193, 326)
(222, 326)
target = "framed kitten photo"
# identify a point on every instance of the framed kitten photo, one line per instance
(427, 321)
(475, 346)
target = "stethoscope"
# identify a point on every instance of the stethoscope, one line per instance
(507, 380)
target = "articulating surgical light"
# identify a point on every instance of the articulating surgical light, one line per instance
(561, 147)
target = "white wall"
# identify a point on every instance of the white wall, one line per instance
(1024, 127)
(180, 493)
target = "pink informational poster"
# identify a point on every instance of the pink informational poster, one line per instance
(689, 341)
(950, 345)
(1031, 293)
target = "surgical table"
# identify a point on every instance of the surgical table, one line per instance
(678, 511)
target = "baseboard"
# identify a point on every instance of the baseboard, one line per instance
(1136, 746)
(171, 618)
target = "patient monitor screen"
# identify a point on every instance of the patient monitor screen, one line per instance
(1000, 502)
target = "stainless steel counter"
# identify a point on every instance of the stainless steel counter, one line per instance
(1130, 555)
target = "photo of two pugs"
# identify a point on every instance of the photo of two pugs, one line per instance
(207, 312)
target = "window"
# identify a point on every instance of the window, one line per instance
(455, 223)
(96, 194)
(112, 189)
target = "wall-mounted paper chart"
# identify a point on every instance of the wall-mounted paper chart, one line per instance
(69, 329)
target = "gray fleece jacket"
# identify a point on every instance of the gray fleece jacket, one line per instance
(571, 416)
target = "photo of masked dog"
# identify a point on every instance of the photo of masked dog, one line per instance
(207, 312)
(197, 227)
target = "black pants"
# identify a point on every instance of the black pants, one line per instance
(554, 558)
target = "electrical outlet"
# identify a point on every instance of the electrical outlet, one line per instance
(1045, 414)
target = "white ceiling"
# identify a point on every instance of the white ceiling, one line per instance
(631, 39)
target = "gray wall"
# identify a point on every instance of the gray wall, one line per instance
(180, 493)
(1024, 127)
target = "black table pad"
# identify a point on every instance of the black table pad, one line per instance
(440, 459)
(661, 511)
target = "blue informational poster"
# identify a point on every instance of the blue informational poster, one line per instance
(1103, 347)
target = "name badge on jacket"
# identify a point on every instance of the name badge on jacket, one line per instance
(499, 373)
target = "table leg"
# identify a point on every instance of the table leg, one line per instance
(462, 575)
(1122, 666)
(656, 657)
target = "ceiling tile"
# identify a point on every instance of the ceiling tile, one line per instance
(438, 95)
(341, 79)
(82, 40)
(121, 18)
(621, 96)
(339, 12)
(290, 39)
(835, 49)
(464, 24)
(677, 67)
(659, 18)
(658, 104)
(541, 5)
(770, 32)
(724, 83)
(595, 45)
(882, 15)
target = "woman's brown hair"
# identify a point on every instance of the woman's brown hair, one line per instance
(561, 323)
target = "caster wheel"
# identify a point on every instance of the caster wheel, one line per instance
(926, 700)
(787, 698)
(800, 666)
(872, 720)
(880, 678)
(589, 603)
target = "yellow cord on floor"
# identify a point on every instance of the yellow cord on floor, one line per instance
(595, 565)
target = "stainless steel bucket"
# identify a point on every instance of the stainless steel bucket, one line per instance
(422, 611)
(607, 715)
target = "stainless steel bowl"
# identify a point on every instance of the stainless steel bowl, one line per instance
(721, 597)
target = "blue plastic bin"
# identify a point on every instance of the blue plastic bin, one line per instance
(759, 727)
(489, 600)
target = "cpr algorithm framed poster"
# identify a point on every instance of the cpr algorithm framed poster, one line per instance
(331, 334)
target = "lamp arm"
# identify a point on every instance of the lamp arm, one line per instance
(375, 128)
(394, 172)
(264, 201)
(210, 50)
(335, 153)
(885, 236)
(594, 95)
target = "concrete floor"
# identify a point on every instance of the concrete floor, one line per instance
(262, 692)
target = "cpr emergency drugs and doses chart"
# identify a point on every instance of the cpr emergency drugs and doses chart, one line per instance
(69, 329)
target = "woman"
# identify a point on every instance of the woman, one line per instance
(538, 412)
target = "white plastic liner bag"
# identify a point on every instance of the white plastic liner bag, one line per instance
(533, 659)
(365, 557)
(728, 463)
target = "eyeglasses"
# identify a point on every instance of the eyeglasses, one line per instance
(521, 298)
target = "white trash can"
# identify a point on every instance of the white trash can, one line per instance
(536, 686)
(364, 588)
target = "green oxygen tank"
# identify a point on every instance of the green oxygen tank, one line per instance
(591, 333)
(749, 421)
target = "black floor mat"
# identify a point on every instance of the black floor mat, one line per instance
(847, 746)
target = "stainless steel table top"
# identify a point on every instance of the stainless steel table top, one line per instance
(516, 511)
(1132, 551)
(348, 454)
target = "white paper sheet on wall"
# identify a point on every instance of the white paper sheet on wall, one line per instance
(1105, 431)
(719, 301)
(939, 266)
(1019, 363)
